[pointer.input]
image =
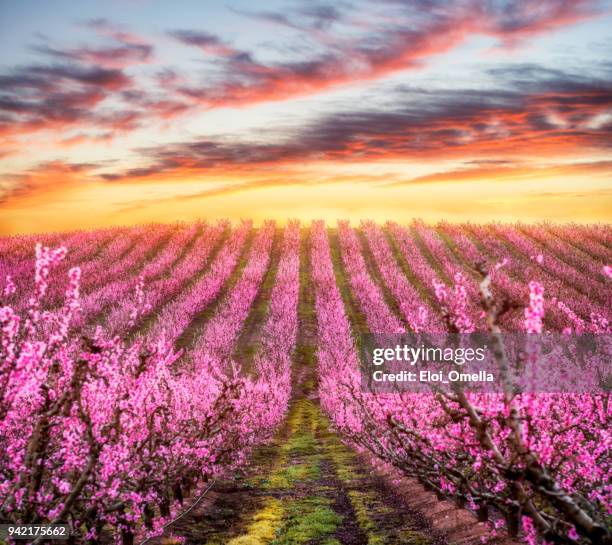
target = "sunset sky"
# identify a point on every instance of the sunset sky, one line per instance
(118, 112)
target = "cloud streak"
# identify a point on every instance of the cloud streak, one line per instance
(125, 48)
(509, 172)
(410, 37)
(93, 87)
(49, 175)
(554, 116)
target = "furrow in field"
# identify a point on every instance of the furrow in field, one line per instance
(415, 267)
(580, 238)
(305, 487)
(557, 258)
(599, 233)
(14, 248)
(417, 312)
(248, 339)
(510, 282)
(588, 265)
(505, 283)
(142, 246)
(162, 278)
(304, 375)
(401, 307)
(188, 271)
(359, 324)
(411, 262)
(118, 249)
(151, 257)
(82, 247)
(378, 514)
(219, 334)
(178, 321)
(162, 261)
(556, 286)
(122, 253)
(379, 317)
(416, 231)
(442, 259)
(87, 245)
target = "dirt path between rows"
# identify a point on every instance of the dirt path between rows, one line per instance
(307, 487)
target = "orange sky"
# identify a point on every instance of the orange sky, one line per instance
(525, 194)
(383, 111)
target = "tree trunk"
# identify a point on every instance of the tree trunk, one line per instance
(482, 513)
(148, 516)
(178, 493)
(512, 522)
(164, 507)
(127, 537)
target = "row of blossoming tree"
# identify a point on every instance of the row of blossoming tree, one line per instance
(535, 463)
(108, 433)
(121, 390)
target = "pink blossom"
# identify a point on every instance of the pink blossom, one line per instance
(534, 313)
(9, 286)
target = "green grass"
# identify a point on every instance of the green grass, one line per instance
(264, 526)
(306, 520)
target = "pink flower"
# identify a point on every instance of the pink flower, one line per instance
(501, 263)
(9, 287)
(534, 313)
(573, 534)
(531, 534)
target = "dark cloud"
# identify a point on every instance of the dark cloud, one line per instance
(49, 96)
(44, 78)
(513, 19)
(305, 16)
(205, 41)
(72, 89)
(324, 15)
(122, 55)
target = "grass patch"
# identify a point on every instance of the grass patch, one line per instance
(299, 455)
(306, 520)
(356, 317)
(303, 444)
(369, 512)
(361, 504)
(289, 475)
(306, 354)
(264, 527)
(343, 459)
